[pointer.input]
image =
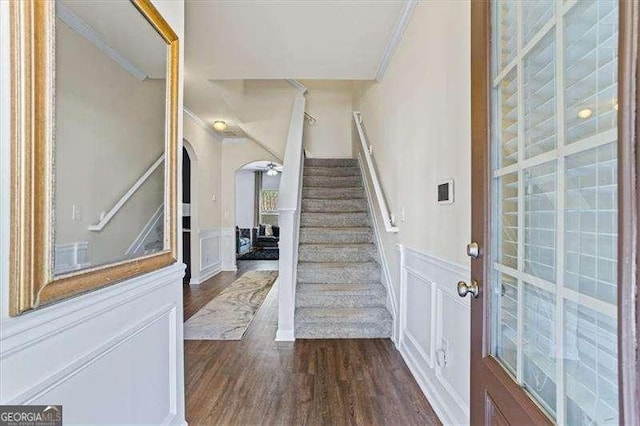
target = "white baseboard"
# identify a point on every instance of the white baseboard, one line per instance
(207, 273)
(285, 336)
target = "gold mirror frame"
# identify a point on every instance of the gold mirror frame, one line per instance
(32, 283)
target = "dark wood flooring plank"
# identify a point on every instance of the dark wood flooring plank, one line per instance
(256, 381)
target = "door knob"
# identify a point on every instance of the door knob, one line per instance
(464, 288)
(473, 250)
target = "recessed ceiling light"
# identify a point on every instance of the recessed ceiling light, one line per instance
(219, 125)
(585, 113)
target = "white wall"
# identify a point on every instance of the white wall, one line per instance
(331, 103)
(418, 122)
(206, 219)
(271, 182)
(111, 356)
(245, 198)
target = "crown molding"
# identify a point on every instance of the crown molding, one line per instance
(200, 122)
(295, 83)
(396, 36)
(80, 27)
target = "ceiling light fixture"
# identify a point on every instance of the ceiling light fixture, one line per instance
(219, 125)
(585, 113)
(271, 170)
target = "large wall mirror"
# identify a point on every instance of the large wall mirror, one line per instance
(95, 90)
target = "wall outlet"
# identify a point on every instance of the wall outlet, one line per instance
(226, 215)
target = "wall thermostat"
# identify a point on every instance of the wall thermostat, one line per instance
(445, 192)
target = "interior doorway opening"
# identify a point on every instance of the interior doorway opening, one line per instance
(256, 215)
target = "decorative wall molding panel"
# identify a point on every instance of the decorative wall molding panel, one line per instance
(69, 257)
(210, 241)
(435, 331)
(115, 347)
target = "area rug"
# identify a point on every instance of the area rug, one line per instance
(264, 254)
(229, 314)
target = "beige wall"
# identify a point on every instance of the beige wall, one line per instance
(205, 153)
(208, 152)
(235, 155)
(418, 121)
(331, 103)
(109, 130)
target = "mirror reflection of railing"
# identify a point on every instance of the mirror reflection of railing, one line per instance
(105, 218)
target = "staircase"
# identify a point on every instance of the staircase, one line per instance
(339, 293)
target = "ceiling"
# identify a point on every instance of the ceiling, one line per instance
(288, 39)
(238, 54)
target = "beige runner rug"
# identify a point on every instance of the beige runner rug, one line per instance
(228, 315)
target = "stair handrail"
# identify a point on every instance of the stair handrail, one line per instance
(388, 218)
(105, 218)
(289, 202)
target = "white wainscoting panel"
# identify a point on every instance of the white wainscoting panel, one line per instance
(113, 356)
(69, 257)
(210, 255)
(435, 331)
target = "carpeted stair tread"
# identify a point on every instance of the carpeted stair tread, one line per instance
(334, 220)
(334, 206)
(330, 162)
(331, 181)
(342, 315)
(337, 272)
(338, 291)
(345, 331)
(340, 295)
(336, 235)
(346, 252)
(331, 171)
(328, 323)
(333, 193)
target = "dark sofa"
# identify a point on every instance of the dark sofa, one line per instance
(260, 240)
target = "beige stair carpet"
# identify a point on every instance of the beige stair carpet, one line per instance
(228, 315)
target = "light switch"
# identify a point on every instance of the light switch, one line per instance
(76, 213)
(214, 198)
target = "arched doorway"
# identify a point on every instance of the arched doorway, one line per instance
(189, 209)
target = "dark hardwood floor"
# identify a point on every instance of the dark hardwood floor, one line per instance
(258, 381)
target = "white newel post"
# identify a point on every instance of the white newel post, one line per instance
(289, 199)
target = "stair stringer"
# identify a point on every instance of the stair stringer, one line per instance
(392, 303)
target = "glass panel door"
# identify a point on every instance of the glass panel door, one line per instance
(554, 215)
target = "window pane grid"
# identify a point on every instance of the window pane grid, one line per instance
(561, 288)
